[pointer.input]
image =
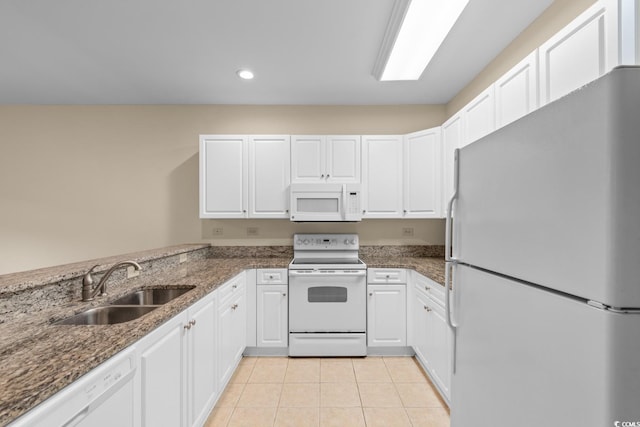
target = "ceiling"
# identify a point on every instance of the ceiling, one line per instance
(188, 51)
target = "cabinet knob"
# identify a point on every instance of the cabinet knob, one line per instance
(322, 176)
(284, 294)
(187, 326)
(364, 211)
(388, 276)
(405, 211)
(234, 286)
(271, 276)
(287, 211)
(427, 308)
(234, 306)
(370, 294)
(328, 176)
(192, 322)
(426, 288)
(244, 211)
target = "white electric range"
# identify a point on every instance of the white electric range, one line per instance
(327, 296)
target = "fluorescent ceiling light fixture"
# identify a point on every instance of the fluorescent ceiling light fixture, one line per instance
(245, 74)
(415, 31)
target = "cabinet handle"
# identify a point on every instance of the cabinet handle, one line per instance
(234, 286)
(426, 288)
(284, 294)
(187, 326)
(234, 306)
(192, 322)
(427, 308)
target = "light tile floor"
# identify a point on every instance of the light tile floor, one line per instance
(340, 392)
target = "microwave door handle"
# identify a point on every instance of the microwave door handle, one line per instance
(344, 202)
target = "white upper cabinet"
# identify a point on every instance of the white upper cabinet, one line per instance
(451, 139)
(269, 176)
(516, 92)
(320, 158)
(581, 52)
(382, 176)
(223, 176)
(422, 174)
(479, 117)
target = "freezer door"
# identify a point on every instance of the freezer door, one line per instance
(554, 198)
(532, 358)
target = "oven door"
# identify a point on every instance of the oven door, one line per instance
(330, 301)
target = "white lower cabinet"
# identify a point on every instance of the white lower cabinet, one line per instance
(272, 313)
(387, 315)
(432, 337)
(232, 327)
(177, 368)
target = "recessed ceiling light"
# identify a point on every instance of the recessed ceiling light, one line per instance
(415, 31)
(245, 74)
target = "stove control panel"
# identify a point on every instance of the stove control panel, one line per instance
(325, 242)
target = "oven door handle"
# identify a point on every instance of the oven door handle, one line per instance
(316, 273)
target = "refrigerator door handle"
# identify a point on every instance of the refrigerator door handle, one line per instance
(448, 289)
(449, 259)
(448, 243)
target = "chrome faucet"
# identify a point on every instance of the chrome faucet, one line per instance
(89, 292)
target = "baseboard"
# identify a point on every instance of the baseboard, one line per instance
(266, 351)
(390, 351)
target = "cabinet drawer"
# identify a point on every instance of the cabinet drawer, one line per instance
(232, 288)
(427, 286)
(272, 276)
(386, 275)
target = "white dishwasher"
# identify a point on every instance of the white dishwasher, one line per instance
(101, 398)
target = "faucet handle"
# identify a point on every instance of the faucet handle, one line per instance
(87, 280)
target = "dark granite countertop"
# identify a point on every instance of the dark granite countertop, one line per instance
(38, 359)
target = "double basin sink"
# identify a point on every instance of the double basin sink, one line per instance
(129, 307)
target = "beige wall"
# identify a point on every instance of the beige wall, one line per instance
(81, 182)
(557, 16)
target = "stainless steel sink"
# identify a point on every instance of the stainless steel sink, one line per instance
(151, 296)
(107, 315)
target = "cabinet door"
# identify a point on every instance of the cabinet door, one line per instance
(203, 386)
(272, 311)
(308, 158)
(387, 315)
(226, 342)
(223, 176)
(479, 117)
(451, 139)
(269, 176)
(162, 372)
(517, 91)
(343, 158)
(420, 326)
(382, 176)
(438, 346)
(232, 329)
(579, 53)
(422, 174)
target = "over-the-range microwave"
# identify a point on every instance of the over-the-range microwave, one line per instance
(325, 202)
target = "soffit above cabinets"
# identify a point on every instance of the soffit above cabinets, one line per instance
(188, 52)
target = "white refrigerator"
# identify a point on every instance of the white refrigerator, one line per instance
(544, 256)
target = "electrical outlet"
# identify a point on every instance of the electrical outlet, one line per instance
(218, 231)
(132, 272)
(252, 231)
(407, 232)
(183, 258)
